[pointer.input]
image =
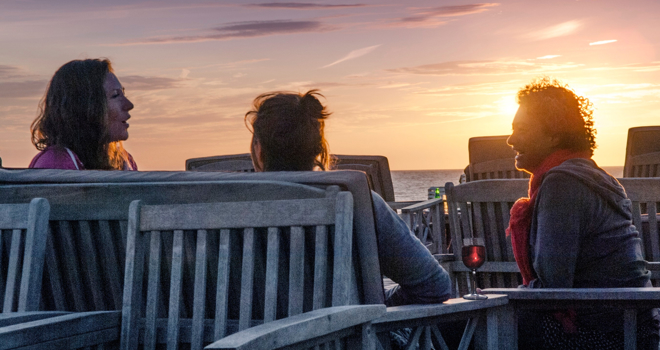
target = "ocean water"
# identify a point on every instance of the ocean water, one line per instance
(413, 185)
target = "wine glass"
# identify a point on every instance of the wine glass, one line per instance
(474, 255)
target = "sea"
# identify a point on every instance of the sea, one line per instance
(413, 185)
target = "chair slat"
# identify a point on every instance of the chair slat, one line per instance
(493, 240)
(247, 277)
(15, 258)
(112, 268)
(296, 270)
(2, 280)
(132, 280)
(71, 268)
(33, 261)
(637, 221)
(320, 266)
(272, 271)
(153, 288)
(343, 266)
(652, 211)
(199, 299)
(54, 275)
(222, 291)
(176, 284)
(91, 268)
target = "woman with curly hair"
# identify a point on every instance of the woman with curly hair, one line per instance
(82, 120)
(575, 229)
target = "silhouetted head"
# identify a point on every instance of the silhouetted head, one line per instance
(287, 132)
(551, 117)
(85, 110)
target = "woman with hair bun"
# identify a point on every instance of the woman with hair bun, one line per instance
(288, 135)
(82, 120)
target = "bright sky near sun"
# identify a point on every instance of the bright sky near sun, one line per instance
(410, 80)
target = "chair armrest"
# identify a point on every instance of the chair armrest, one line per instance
(416, 206)
(300, 328)
(73, 330)
(451, 306)
(616, 297)
(10, 318)
(401, 205)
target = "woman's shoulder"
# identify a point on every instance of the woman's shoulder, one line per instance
(56, 157)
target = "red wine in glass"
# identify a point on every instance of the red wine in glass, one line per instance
(474, 255)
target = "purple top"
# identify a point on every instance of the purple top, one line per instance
(55, 157)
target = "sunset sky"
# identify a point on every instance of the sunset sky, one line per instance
(410, 80)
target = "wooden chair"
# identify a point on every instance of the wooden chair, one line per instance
(377, 168)
(481, 209)
(23, 229)
(642, 152)
(89, 222)
(221, 262)
(492, 158)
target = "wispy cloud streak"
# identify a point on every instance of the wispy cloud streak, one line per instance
(483, 68)
(602, 42)
(558, 30)
(244, 30)
(353, 55)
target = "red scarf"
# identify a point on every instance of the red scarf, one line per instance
(522, 211)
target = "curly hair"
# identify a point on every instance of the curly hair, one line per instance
(290, 128)
(562, 112)
(73, 114)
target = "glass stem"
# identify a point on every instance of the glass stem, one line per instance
(473, 277)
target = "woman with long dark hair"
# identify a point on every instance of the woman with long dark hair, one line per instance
(82, 120)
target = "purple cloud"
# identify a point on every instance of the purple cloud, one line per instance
(245, 30)
(138, 82)
(431, 16)
(302, 5)
(23, 89)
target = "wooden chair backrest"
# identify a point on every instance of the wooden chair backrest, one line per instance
(642, 152)
(23, 232)
(230, 163)
(492, 158)
(645, 196)
(257, 259)
(89, 212)
(377, 168)
(481, 209)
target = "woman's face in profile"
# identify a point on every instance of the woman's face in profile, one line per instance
(118, 107)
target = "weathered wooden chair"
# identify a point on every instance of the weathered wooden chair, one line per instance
(492, 158)
(237, 251)
(481, 209)
(642, 152)
(23, 232)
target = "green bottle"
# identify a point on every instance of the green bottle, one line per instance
(437, 192)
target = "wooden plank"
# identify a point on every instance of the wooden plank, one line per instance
(90, 268)
(296, 270)
(247, 278)
(33, 261)
(112, 268)
(54, 275)
(13, 274)
(493, 241)
(153, 289)
(14, 216)
(133, 278)
(272, 274)
(342, 268)
(652, 211)
(455, 305)
(199, 299)
(630, 329)
(222, 285)
(176, 284)
(320, 267)
(71, 268)
(287, 331)
(303, 212)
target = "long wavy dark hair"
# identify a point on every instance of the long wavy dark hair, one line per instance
(290, 128)
(73, 114)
